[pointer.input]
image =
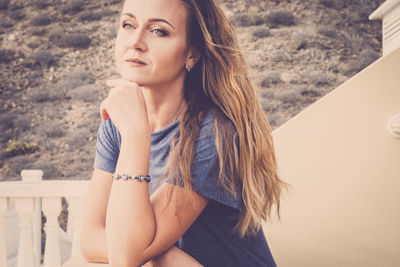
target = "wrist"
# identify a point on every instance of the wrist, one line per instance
(135, 133)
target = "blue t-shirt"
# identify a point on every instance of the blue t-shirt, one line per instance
(211, 239)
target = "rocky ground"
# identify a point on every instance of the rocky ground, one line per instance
(55, 56)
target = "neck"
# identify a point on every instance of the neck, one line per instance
(164, 105)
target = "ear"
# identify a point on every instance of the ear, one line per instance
(193, 57)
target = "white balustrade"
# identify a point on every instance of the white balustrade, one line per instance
(24, 207)
(3, 213)
(51, 207)
(27, 195)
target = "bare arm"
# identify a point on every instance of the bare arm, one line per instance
(174, 257)
(93, 237)
(139, 232)
(93, 233)
(137, 227)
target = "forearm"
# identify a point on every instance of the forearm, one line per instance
(174, 257)
(130, 225)
(94, 247)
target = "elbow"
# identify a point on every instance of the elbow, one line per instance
(85, 250)
(128, 250)
(127, 253)
(126, 259)
(88, 250)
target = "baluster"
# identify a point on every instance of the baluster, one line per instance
(51, 207)
(75, 217)
(24, 207)
(3, 214)
(35, 176)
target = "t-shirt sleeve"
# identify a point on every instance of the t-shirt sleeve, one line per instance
(205, 170)
(107, 147)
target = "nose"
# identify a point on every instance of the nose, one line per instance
(137, 40)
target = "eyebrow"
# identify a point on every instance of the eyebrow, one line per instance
(151, 20)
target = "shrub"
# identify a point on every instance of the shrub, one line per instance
(77, 138)
(319, 78)
(42, 94)
(327, 31)
(7, 124)
(367, 57)
(261, 32)
(56, 32)
(72, 7)
(42, 59)
(6, 55)
(304, 91)
(247, 19)
(49, 169)
(291, 96)
(81, 75)
(268, 94)
(49, 129)
(37, 31)
(40, 4)
(279, 55)
(18, 163)
(20, 148)
(6, 23)
(76, 40)
(270, 79)
(55, 132)
(41, 20)
(4, 4)
(105, 12)
(275, 118)
(281, 18)
(301, 40)
(328, 3)
(7, 121)
(16, 14)
(88, 93)
(15, 6)
(88, 15)
(33, 44)
(22, 123)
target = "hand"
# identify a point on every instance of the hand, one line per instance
(126, 106)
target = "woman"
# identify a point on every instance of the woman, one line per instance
(184, 112)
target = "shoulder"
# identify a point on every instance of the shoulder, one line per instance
(108, 128)
(207, 125)
(108, 136)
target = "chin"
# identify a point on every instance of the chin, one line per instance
(134, 78)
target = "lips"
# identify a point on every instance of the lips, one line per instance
(135, 61)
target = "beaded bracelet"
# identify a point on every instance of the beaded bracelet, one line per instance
(125, 177)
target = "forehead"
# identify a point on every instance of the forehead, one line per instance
(173, 11)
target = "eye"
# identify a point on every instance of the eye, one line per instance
(127, 26)
(159, 32)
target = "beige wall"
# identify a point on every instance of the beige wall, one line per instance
(343, 207)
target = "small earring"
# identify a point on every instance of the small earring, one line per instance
(189, 68)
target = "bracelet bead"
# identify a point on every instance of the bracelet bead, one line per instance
(125, 177)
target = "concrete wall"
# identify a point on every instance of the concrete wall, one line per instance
(343, 207)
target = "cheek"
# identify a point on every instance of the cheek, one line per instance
(172, 55)
(118, 53)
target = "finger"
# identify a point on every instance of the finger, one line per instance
(104, 115)
(112, 91)
(112, 83)
(119, 82)
(103, 111)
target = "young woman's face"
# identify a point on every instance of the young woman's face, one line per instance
(150, 48)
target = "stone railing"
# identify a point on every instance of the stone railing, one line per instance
(30, 197)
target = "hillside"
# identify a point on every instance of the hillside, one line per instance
(56, 55)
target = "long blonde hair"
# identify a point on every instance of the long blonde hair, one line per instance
(220, 81)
